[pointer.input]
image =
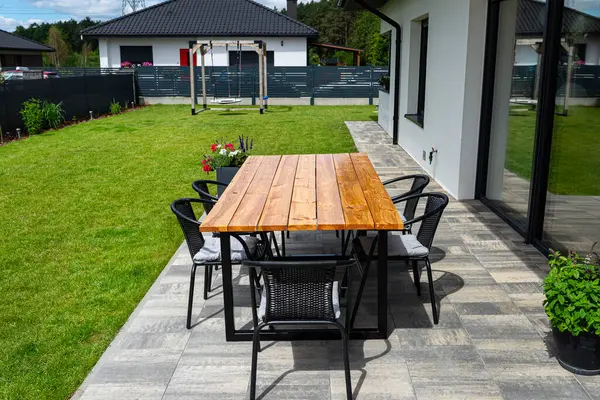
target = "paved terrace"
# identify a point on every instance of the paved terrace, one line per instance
(491, 343)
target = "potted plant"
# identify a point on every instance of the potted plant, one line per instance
(572, 304)
(225, 159)
(384, 82)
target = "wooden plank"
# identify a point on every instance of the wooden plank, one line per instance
(276, 211)
(250, 209)
(354, 204)
(330, 215)
(223, 211)
(303, 210)
(383, 210)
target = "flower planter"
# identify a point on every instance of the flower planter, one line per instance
(578, 354)
(225, 175)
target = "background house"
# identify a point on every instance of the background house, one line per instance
(582, 30)
(17, 51)
(160, 34)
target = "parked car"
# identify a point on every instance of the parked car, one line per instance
(19, 74)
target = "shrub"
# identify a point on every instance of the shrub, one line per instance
(32, 116)
(115, 107)
(53, 113)
(384, 82)
(572, 291)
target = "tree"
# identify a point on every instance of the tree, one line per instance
(61, 49)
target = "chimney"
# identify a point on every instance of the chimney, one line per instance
(292, 8)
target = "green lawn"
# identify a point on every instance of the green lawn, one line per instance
(575, 158)
(85, 225)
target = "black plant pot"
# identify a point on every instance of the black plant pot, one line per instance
(578, 354)
(225, 175)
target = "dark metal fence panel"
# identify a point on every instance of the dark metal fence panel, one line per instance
(585, 81)
(523, 81)
(79, 95)
(292, 82)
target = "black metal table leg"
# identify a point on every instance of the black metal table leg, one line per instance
(227, 286)
(382, 293)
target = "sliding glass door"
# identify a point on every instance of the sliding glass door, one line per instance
(539, 165)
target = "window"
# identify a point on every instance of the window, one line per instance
(137, 54)
(417, 114)
(249, 58)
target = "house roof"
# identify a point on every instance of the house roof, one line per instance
(211, 18)
(8, 41)
(532, 16)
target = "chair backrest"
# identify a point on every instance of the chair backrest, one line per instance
(297, 290)
(420, 182)
(436, 203)
(182, 208)
(201, 187)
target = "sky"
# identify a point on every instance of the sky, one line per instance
(26, 12)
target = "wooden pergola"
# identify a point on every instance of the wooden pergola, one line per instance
(205, 46)
(355, 52)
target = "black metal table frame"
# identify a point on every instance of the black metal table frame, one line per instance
(236, 335)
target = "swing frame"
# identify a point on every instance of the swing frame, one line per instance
(203, 47)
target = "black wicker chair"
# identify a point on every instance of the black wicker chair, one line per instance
(409, 248)
(201, 187)
(206, 251)
(298, 293)
(419, 184)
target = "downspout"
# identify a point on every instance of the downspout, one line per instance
(398, 30)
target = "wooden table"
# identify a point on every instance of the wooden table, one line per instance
(304, 193)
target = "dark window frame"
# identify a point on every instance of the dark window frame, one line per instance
(419, 116)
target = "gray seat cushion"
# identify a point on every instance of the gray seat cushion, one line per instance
(211, 251)
(398, 246)
(335, 299)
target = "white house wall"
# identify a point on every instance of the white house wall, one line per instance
(288, 51)
(453, 88)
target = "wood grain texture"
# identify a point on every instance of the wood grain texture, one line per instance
(303, 209)
(223, 211)
(248, 213)
(276, 211)
(330, 215)
(383, 210)
(356, 210)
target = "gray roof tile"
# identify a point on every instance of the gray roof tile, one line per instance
(14, 42)
(203, 18)
(532, 16)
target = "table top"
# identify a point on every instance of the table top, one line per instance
(304, 193)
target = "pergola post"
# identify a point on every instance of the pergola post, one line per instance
(202, 53)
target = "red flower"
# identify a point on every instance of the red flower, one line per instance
(213, 147)
(206, 168)
(229, 146)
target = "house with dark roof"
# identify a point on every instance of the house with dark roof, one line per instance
(579, 29)
(160, 34)
(18, 51)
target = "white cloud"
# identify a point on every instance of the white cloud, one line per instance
(9, 24)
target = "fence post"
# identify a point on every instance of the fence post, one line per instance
(370, 85)
(312, 84)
